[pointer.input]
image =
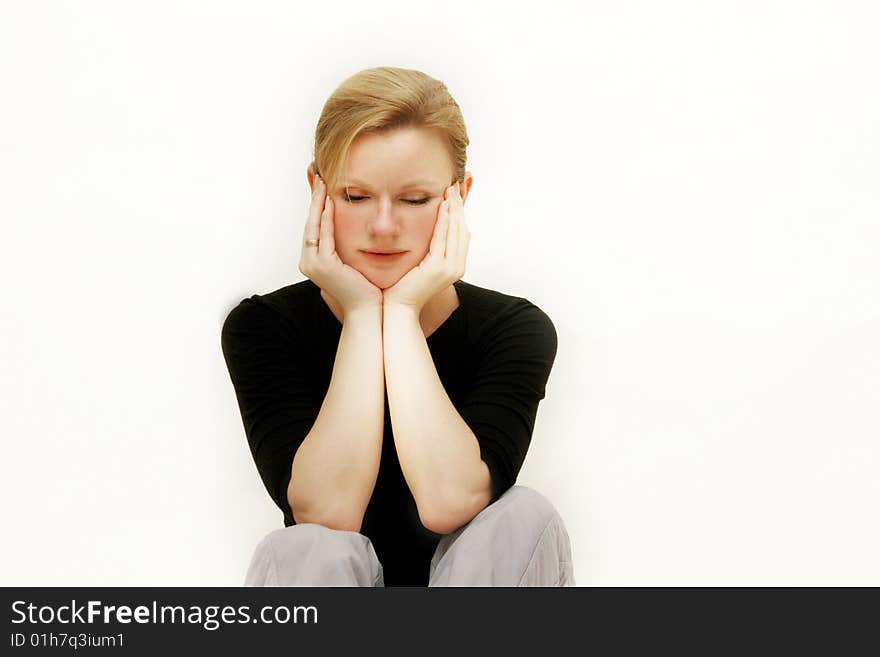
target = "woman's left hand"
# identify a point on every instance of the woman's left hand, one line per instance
(444, 263)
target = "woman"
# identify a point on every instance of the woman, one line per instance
(388, 404)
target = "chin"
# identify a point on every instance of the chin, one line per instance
(383, 281)
(385, 277)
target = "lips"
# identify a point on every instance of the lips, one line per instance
(379, 257)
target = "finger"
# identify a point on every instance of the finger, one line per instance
(454, 229)
(465, 242)
(463, 239)
(457, 226)
(313, 221)
(327, 245)
(464, 233)
(438, 240)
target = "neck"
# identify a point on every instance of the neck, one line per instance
(433, 314)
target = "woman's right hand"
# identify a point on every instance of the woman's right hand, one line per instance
(322, 264)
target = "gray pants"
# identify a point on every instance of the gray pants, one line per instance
(520, 540)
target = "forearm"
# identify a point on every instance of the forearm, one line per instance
(438, 453)
(335, 468)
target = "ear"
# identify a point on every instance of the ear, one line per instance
(465, 187)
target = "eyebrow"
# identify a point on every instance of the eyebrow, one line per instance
(412, 183)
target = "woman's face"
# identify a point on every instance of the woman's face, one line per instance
(388, 200)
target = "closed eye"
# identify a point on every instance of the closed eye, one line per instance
(420, 201)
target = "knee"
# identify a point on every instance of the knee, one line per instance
(313, 555)
(521, 512)
(312, 537)
(528, 515)
(517, 540)
(526, 502)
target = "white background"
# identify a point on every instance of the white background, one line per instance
(688, 189)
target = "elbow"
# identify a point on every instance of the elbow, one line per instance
(450, 516)
(441, 526)
(317, 514)
(339, 521)
(441, 518)
(443, 523)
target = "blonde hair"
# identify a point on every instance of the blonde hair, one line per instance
(380, 99)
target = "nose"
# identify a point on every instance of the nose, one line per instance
(384, 223)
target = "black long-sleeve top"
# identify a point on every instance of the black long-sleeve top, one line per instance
(493, 355)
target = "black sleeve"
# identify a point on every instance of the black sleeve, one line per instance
(277, 404)
(502, 402)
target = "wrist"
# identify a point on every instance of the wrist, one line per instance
(365, 313)
(392, 309)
